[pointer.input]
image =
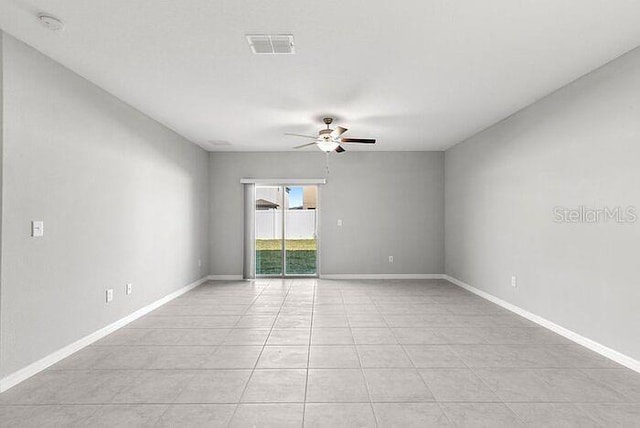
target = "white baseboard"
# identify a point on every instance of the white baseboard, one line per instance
(612, 354)
(382, 276)
(224, 277)
(34, 368)
(347, 276)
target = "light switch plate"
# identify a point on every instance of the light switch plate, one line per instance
(339, 222)
(129, 289)
(109, 295)
(37, 228)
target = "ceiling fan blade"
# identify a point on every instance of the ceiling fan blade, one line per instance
(305, 145)
(338, 131)
(358, 140)
(340, 149)
(299, 135)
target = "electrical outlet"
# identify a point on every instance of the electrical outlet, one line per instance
(514, 281)
(390, 259)
(109, 295)
(129, 289)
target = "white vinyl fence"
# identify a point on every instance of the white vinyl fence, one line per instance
(301, 224)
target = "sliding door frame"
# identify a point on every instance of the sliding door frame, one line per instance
(284, 274)
(316, 236)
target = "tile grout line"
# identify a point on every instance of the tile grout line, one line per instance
(228, 333)
(364, 377)
(483, 382)
(288, 293)
(216, 350)
(122, 388)
(306, 382)
(416, 369)
(189, 403)
(244, 390)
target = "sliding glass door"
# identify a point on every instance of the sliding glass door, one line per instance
(300, 220)
(269, 236)
(286, 230)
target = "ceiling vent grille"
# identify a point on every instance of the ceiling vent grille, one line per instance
(274, 44)
(219, 143)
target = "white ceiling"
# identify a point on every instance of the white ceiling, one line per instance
(416, 75)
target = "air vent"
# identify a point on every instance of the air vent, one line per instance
(219, 143)
(271, 43)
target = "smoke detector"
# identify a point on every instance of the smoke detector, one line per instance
(51, 22)
(273, 44)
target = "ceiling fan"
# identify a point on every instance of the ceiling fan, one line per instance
(330, 140)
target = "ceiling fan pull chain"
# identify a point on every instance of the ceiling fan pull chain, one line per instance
(327, 165)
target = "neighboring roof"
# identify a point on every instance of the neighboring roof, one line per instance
(264, 204)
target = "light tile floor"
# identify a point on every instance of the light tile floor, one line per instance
(329, 353)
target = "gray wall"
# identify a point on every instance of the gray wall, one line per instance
(579, 146)
(390, 204)
(123, 200)
(1, 187)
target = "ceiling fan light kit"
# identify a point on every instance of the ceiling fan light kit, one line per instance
(328, 146)
(330, 140)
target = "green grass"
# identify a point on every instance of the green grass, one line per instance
(301, 256)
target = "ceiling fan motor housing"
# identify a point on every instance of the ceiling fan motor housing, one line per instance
(325, 133)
